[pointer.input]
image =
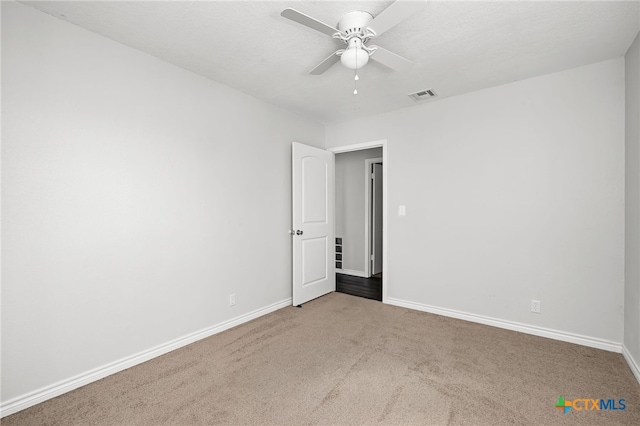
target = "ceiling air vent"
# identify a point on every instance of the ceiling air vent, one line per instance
(423, 94)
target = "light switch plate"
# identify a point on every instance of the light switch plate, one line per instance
(402, 210)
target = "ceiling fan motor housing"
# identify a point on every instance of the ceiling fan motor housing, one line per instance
(354, 23)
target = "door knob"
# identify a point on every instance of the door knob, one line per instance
(298, 232)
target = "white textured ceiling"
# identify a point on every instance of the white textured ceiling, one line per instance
(457, 47)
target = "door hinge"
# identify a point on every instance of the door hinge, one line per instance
(371, 257)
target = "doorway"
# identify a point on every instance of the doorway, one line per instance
(317, 166)
(359, 213)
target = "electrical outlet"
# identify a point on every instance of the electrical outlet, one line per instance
(535, 306)
(232, 299)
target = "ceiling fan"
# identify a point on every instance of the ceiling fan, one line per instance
(355, 30)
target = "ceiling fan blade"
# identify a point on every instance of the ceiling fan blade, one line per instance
(390, 59)
(308, 21)
(394, 14)
(326, 64)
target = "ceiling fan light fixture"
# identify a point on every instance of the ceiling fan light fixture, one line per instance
(354, 58)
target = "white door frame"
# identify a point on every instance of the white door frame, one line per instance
(368, 212)
(366, 145)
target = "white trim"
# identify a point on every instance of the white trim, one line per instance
(351, 272)
(635, 369)
(515, 326)
(32, 398)
(385, 221)
(358, 146)
(368, 213)
(385, 197)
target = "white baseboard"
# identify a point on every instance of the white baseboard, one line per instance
(510, 325)
(32, 398)
(633, 365)
(352, 273)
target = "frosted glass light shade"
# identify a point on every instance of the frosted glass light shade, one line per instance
(353, 56)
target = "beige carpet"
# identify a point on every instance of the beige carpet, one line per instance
(346, 360)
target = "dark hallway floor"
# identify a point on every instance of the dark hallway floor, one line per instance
(370, 288)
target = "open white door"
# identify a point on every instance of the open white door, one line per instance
(313, 218)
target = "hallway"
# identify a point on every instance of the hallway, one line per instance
(370, 288)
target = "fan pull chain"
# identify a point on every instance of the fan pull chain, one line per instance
(355, 84)
(355, 79)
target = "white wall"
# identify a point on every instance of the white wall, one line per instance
(350, 206)
(632, 194)
(513, 193)
(136, 197)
